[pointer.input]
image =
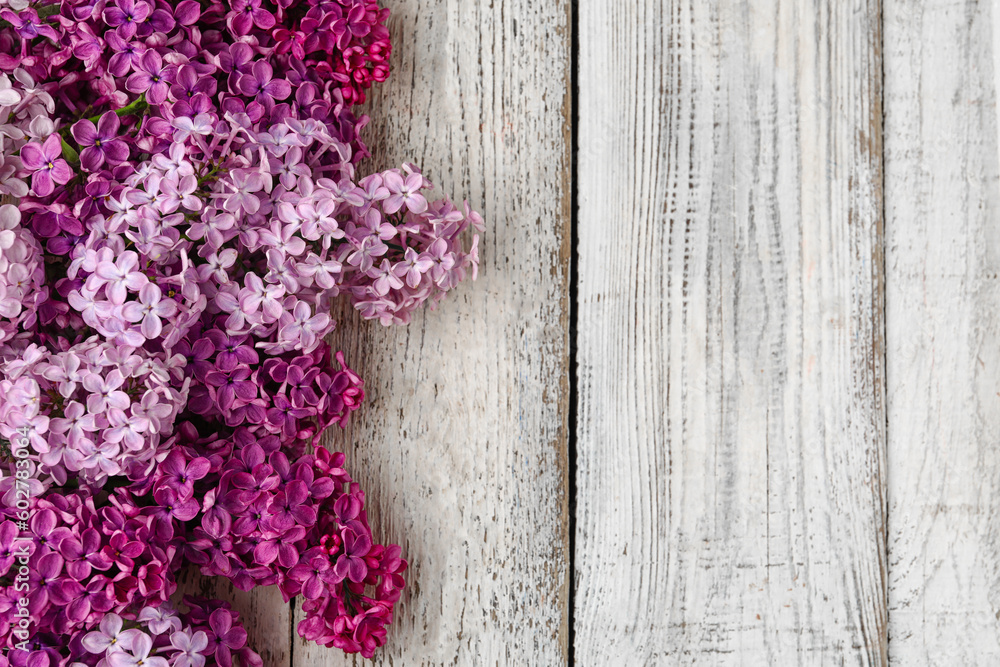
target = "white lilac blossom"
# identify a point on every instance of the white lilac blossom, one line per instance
(230, 225)
(109, 409)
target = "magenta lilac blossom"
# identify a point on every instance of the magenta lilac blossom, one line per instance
(187, 200)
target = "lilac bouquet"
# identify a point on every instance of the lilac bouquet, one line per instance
(188, 208)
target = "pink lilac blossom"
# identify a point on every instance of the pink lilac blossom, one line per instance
(189, 208)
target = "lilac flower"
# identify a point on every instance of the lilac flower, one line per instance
(284, 415)
(84, 553)
(216, 266)
(302, 326)
(121, 333)
(121, 551)
(312, 575)
(283, 238)
(28, 26)
(236, 59)
(47, 165)
(225, 637)
(127, 54)
(385, 278)
(260, 84)
(178, 193)
(404, 192)
(413, 267)
(9, 539)
(110, 638)
(75, 424)
(189, 648)
(255, 295)
(160, 620)
(152, 78)
(137, 655)
(279, 139)
(105, 393)
(245, 184)
(189, 83)
(125, 16)
(353, 25)
(118, 277)
(80, 600)
(351, 564)
(100, 143)
(232, 351)
(230, 386)
(126, 429)
(290, 507)
(200, 125)
(174, 163)
(149, 309)
(246, 14)
(181, 476)
(187, 12)
(44, 579)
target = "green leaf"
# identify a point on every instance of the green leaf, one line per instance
(69, 152)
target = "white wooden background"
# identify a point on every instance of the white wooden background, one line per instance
(727, 391)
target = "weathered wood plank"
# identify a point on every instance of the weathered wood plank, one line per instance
(462, 445)
(943, 332)
(731, 484)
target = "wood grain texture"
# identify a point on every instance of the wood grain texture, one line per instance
(462, 444)
(943, 324)
(731, 480)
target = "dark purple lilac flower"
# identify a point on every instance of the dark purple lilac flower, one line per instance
(357, 544)
(232, 385)
(152, 78)
(246, 14)
(121, 551)
(312, 574)
(291, 505)
(187, 12)
(127, 54)
(253, 484)
(44, 579)
(180, 475)
(232, 350)
(126, 15)
(27, 25)
(225, 637)
(261, 84)
(84, 553)
(189, 83)
(352, 26)
(9, 545)
(100, 143)
(171, 507)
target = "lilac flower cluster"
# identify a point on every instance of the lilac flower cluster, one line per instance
(208, 633)
(23, 291)
(268, 519)
(93, 410)
(92, 566)
(189, 208)
(296, 396)
(24, 116)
